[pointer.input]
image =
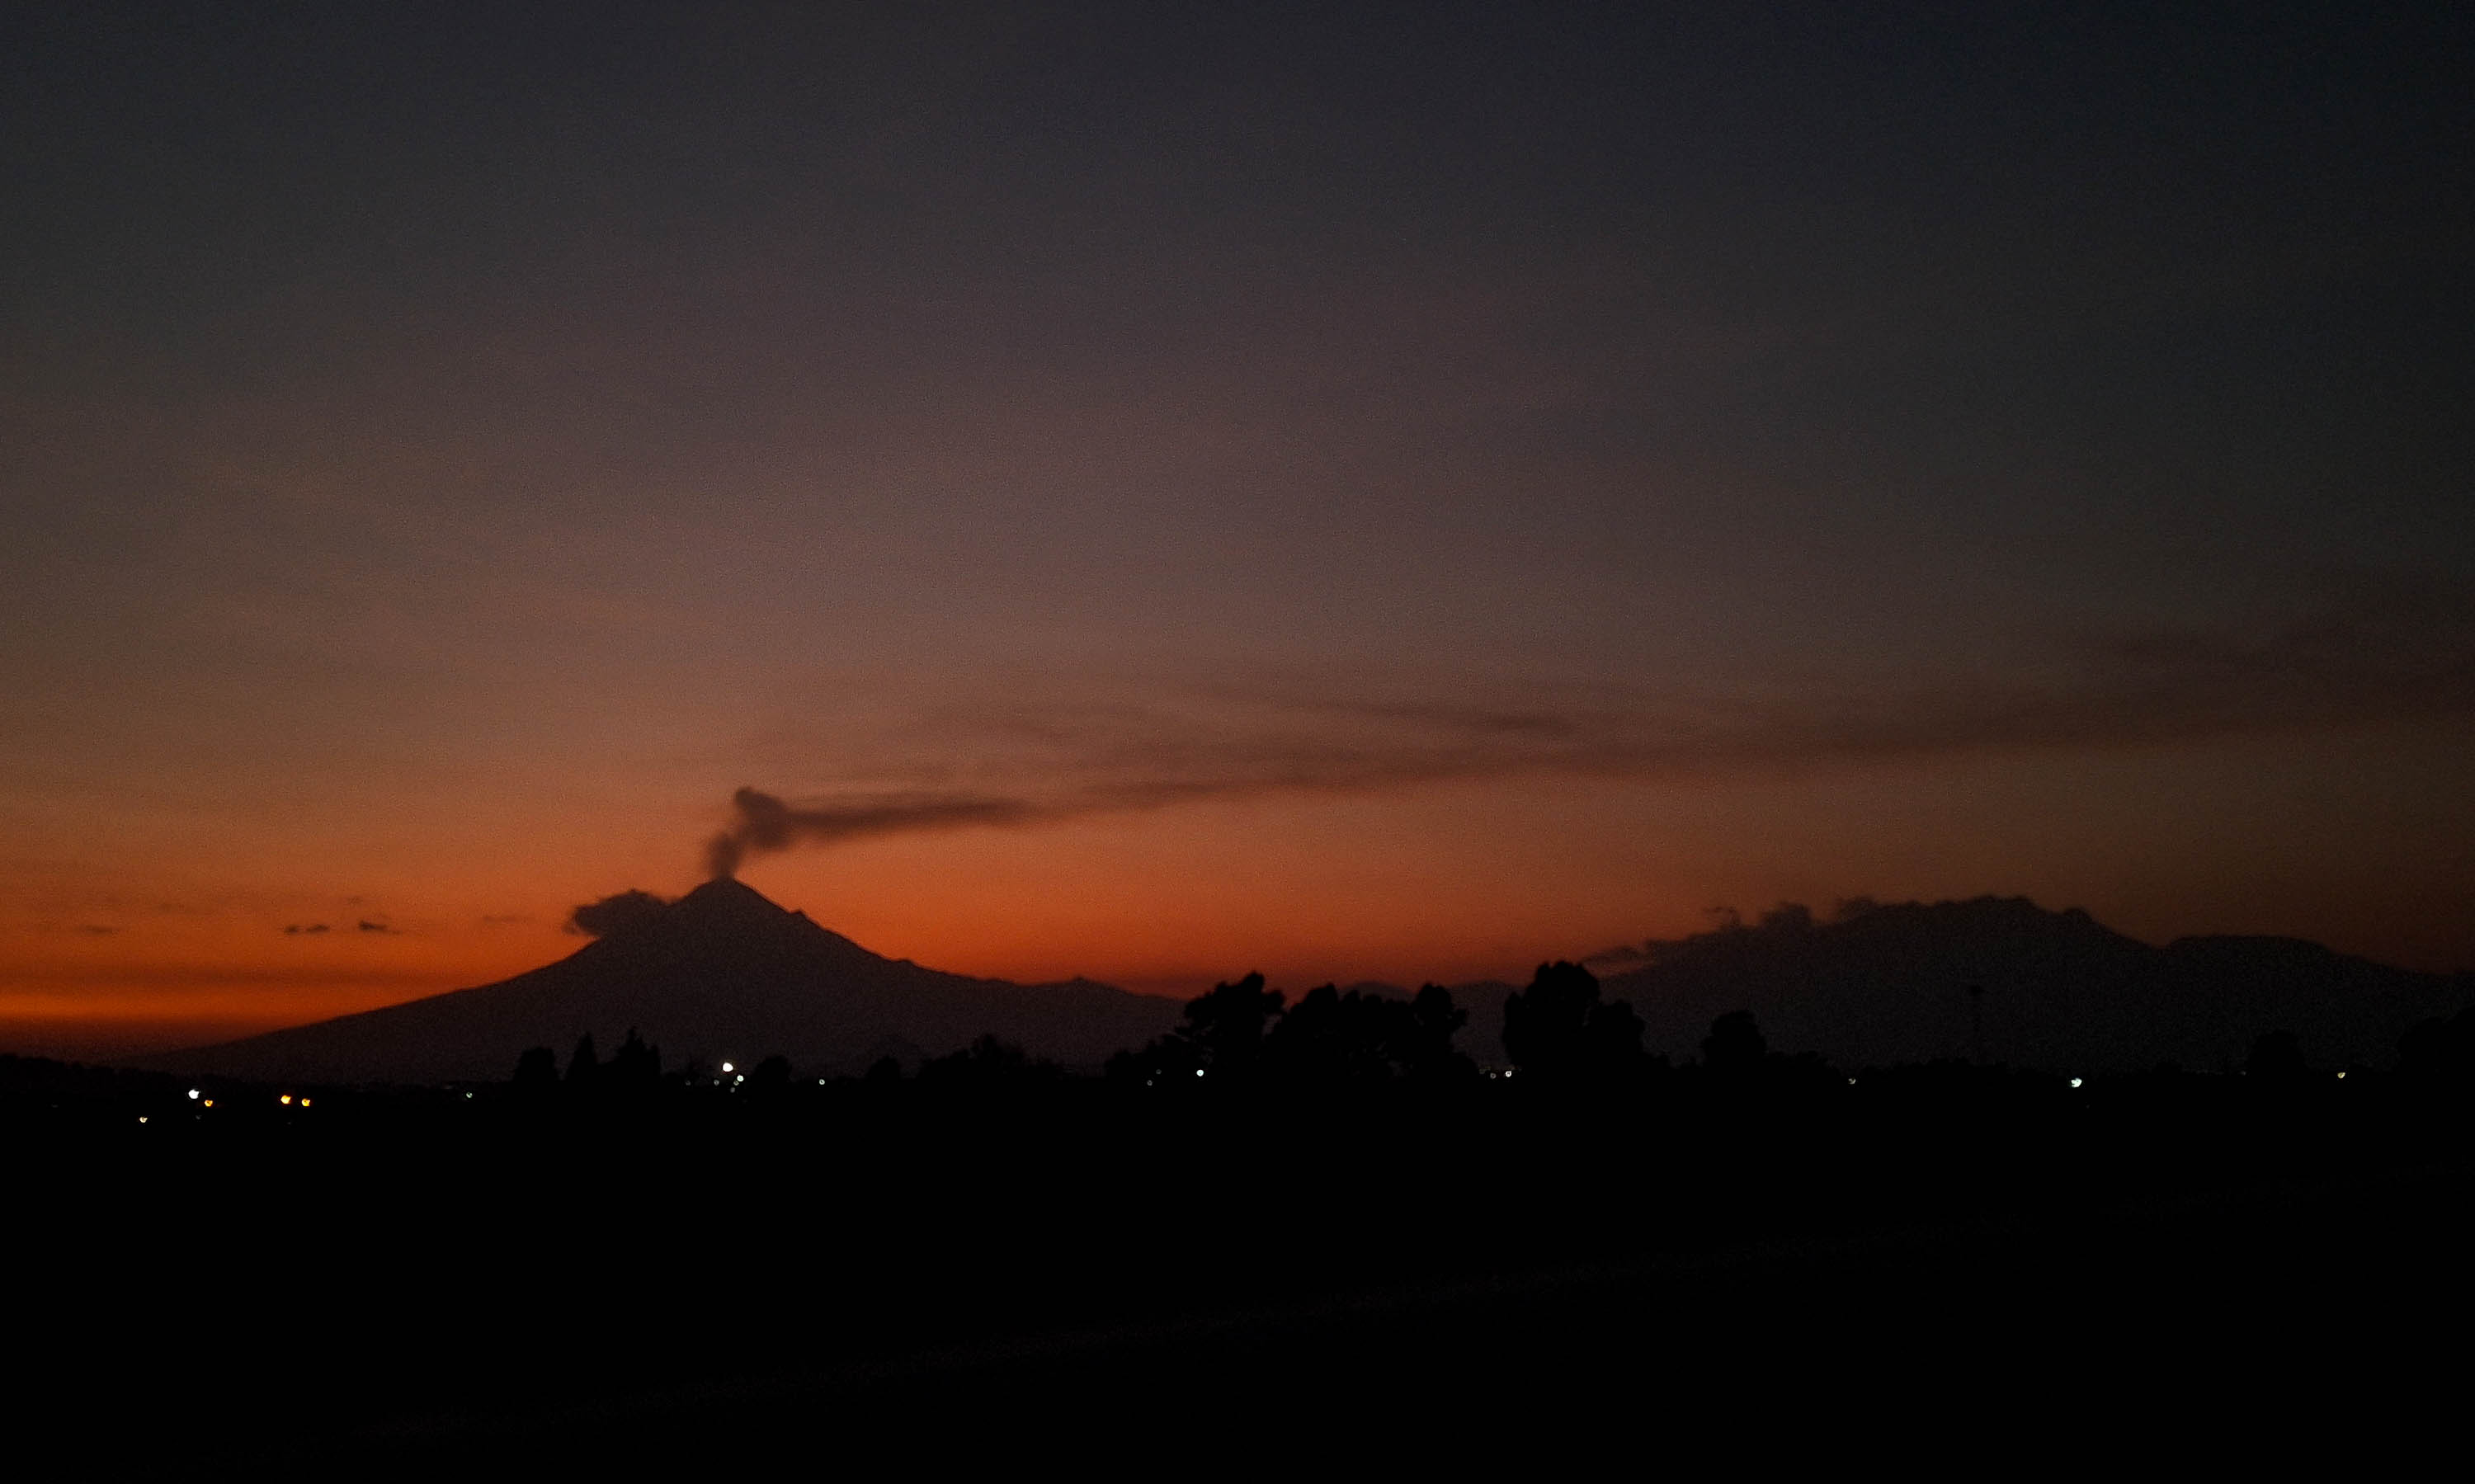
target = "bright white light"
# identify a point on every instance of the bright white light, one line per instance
(741, 1078)
(141, 1118)
(2342, 1076)
(1198, 1071)
(2075, 1081)
(193, 1092)
(726, 1066)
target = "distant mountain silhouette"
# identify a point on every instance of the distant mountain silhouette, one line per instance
(1881, 984)
(721, 972)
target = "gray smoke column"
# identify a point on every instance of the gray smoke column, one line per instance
(762, 824)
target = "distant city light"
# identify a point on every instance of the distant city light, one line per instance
(741, 1078)
(726, 1066)
(286, 1099)
(193, 1092)
(141, 1118)
(2342, 1076)
(2075, 1081)
(211, 1102)
(1198, 1071)
(305, 1102)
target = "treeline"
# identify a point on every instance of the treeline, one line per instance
(1245, 1036)
(1558, 1032)
(1242, 1039)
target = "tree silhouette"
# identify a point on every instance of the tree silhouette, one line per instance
(1734, 1044)
(1424, 1048)
(634, 1068)
(1243, 1035)
(986, 1063)
(1560, 1030)
(1329, 1039)
(1224, 1031)
(583, 1065)
(537, 1071)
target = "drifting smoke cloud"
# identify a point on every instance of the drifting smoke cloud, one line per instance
(2403, 656)
(762, 824)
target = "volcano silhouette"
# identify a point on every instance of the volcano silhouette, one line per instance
(722, 972)
(2010, 981)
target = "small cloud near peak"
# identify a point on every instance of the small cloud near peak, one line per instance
(615, 914)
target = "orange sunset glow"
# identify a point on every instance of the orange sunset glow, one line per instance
(1448, 881)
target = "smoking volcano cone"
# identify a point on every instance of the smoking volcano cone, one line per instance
(721, 972)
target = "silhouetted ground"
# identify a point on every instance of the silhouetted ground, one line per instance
(1942, 1261)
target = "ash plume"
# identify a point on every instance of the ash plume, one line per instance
(2404, 657)
(762, 824)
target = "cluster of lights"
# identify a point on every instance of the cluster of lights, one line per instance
(199, 1097)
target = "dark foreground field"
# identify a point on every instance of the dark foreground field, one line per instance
(1977, 1271)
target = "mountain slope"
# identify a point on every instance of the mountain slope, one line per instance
(722, 973)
